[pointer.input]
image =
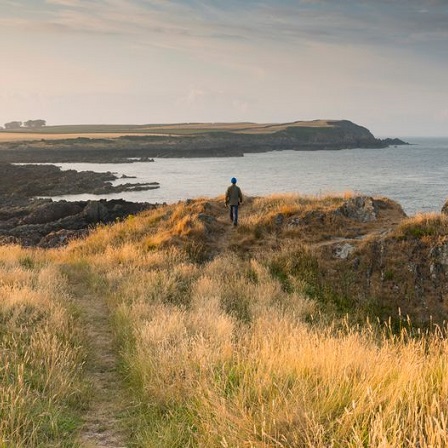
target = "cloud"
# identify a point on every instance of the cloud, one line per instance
(69, 3)
(233, 58)
(189, 24)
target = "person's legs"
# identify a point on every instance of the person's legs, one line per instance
(231, 213)
(235, 215)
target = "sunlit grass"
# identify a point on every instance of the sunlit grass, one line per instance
(239, 364)
(236, 349)
(424, 225)
(41, 387)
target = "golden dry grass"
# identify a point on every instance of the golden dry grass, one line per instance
(232, 352)
(223, 356)
(424, 225)
(41, 383)
(228, 350)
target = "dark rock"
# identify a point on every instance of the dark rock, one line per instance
(60, 238)
(279, 219)
(50, 180)
(445, 208)
(393, 142)
(51, 211)
(360, 208)
(314, 216)
(206, 218)
(95, 211)
(47, 223)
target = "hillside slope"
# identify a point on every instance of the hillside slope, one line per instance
(174, 329)
(364, 250)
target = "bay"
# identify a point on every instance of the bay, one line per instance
(416, 176)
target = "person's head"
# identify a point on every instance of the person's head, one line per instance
(233, 180)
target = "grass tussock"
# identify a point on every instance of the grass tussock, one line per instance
(424, 225)
(290, 204)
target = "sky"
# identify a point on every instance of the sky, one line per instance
(382, 64)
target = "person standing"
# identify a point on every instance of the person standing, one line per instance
(234, 198)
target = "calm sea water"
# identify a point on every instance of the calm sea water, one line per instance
(416, 176)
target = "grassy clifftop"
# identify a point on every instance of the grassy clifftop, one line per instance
(175, 329)
(119, 143)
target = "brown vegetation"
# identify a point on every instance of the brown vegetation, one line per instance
(228, 337)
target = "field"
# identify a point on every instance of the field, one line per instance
(174, 329)
(32, 136)
(115, 131)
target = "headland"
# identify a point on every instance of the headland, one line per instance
(109, 144)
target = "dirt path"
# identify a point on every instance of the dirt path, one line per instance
(102, 421)
(228, 231)
(102, 427)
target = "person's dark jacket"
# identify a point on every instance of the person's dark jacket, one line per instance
(234, 195)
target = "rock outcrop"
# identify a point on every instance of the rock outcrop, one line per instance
(47, 223)
(50, 180)
(397, 267)
(360, 208)
(445, 208)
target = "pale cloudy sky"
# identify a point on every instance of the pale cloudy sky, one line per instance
(380, 63)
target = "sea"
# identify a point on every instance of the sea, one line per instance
(414, 175)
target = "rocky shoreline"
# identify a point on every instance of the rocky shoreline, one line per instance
(50, 180)
(47, 223)
(31, 221)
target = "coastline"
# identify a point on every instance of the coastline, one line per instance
(194, 143)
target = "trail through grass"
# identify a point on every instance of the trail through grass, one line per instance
(102, 422)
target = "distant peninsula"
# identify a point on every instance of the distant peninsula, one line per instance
(129, 143)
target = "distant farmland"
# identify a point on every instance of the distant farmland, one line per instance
(115, 131)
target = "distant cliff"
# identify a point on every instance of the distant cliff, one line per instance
(194, 140)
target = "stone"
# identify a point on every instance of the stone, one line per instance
(360, 208)
(445, 208)
(206, 218)
(279, 219)
(343, 251)
(95, 212)
(52, 212)
(50, 180)
(47, 223)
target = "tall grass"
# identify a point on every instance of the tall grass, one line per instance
(221, 354)
(41, 359)
(424, 225)
(226, 351)
(233, 352)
